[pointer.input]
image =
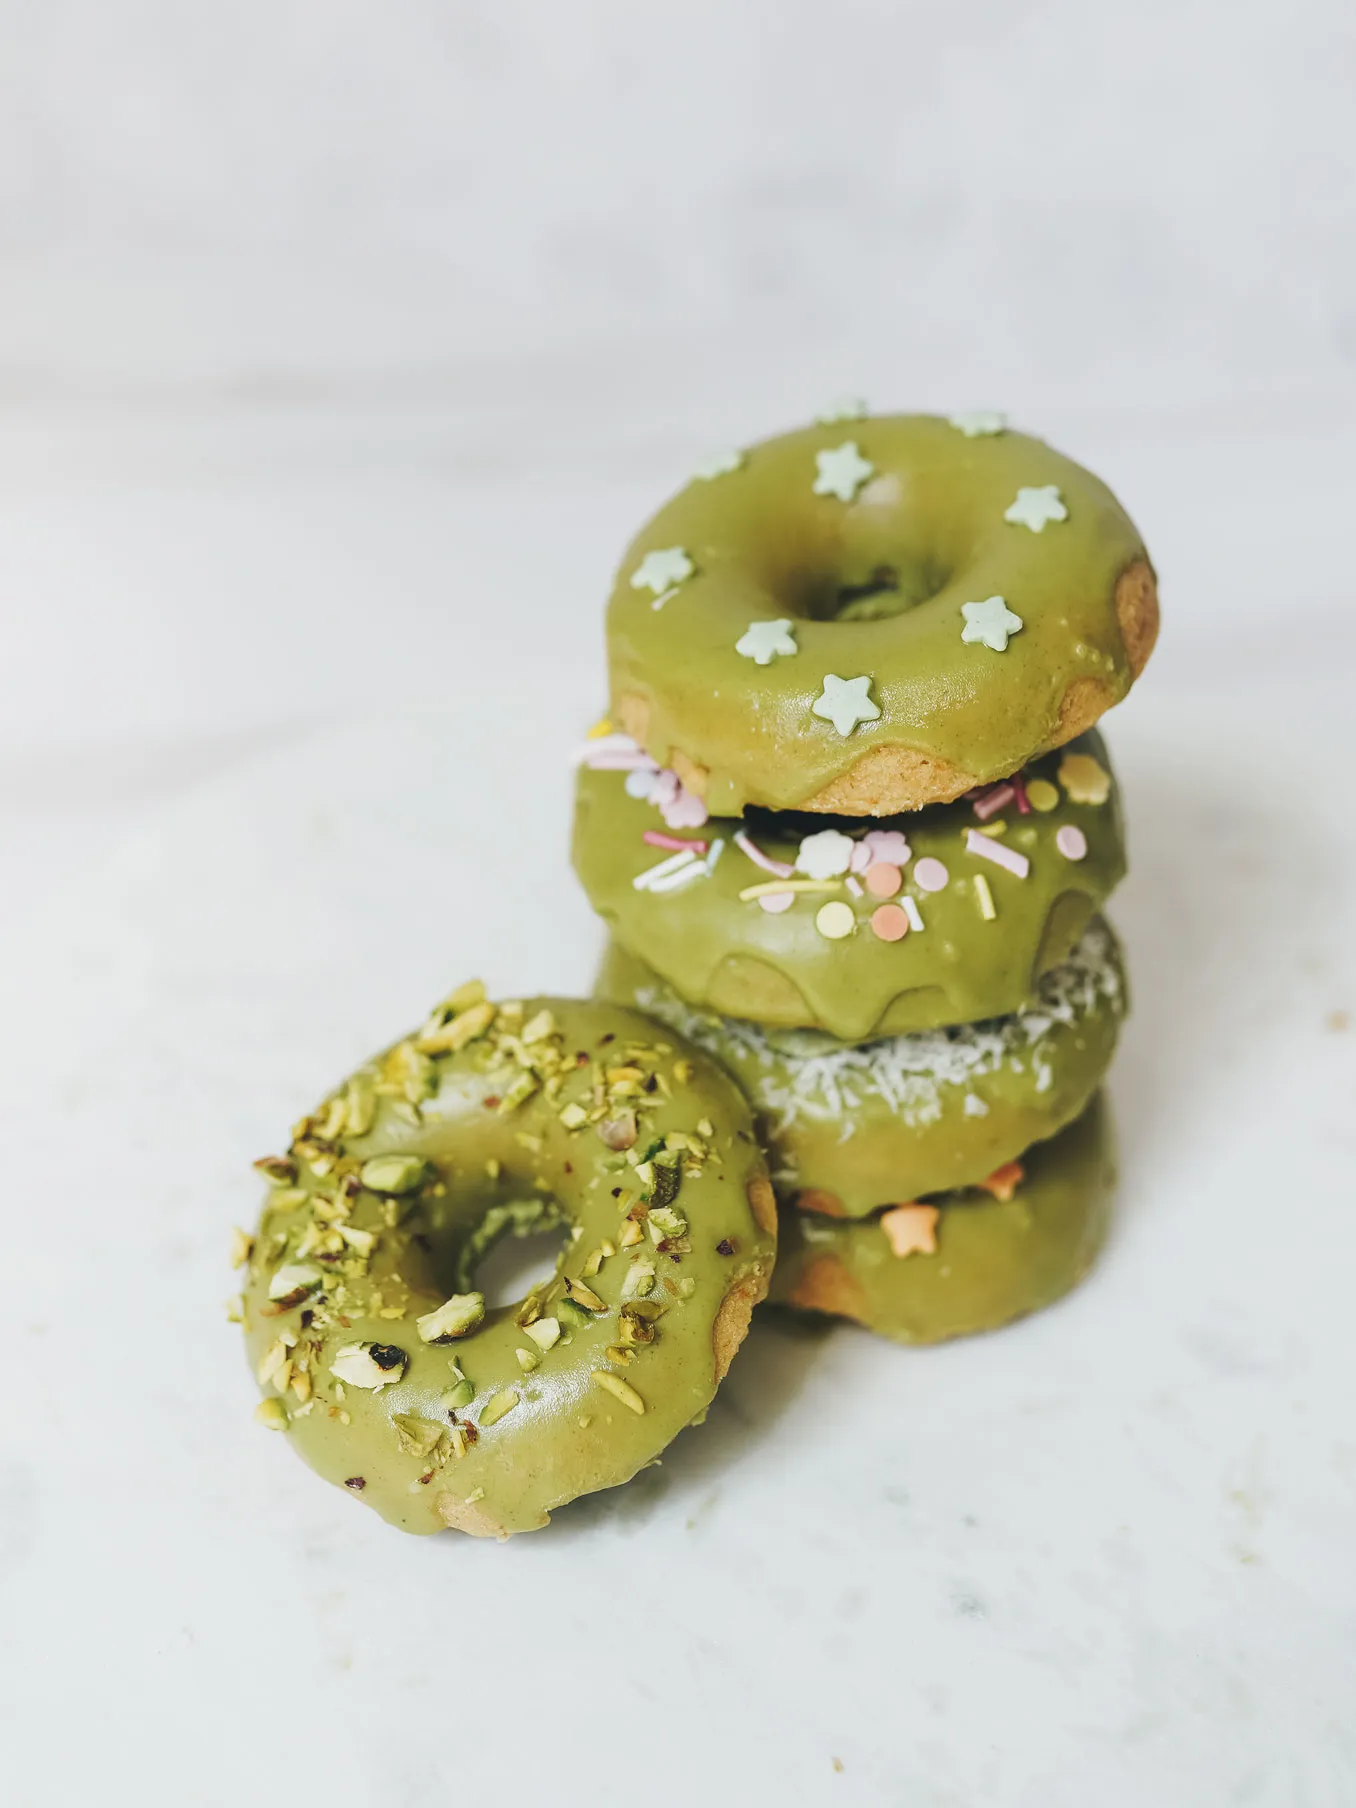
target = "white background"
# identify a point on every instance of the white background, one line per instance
(341, 349)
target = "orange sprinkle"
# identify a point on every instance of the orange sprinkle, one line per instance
(889, 923)
(911, 1229)
(1004, 1181)
(883, 880)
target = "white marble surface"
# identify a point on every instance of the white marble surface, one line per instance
(288, 712)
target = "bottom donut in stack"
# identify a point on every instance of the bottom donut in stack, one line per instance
(935, 1184)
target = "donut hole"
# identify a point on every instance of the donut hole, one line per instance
(872, 594)
(517, 1245)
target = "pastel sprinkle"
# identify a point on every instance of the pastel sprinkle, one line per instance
(601, 727)
(1035, 506)
(993, 801)
(599, 751)
(773, 886)
(764, 641)
(930, 874)
(641, 781)
(985, 898)
(685, 876)
(644, 881)
(854, 886)
(717, 849)
(846, 408)
(841, 471)
(1023, 801)
(835, 920)
(989, 624)
(1086, 781)
(883, 880)
(676, 842)
(889, 923)
(989, 849)
(845, 702)
(1071, 841)
(1042, 795)
(662, 569)
(746, 845)
(975, 423)
(775, 902)
(889, 846)
(911, 1230)
(825, 854)
(719, 464)
(910, 908)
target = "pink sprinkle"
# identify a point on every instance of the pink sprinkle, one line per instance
(775, 902)
(880, 847)
(1023, 801)
(673, 842)
(989, 849)
(994, 801)
(778, 868)
(1071, 842)
(930, 874)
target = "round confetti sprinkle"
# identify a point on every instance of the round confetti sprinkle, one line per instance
(1042, 795)
(1071, 842)
(835, 920)
(775, 902)
(883, 880)
(889, 923)
(930, 874)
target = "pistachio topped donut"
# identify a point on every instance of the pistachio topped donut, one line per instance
(860, 930)
(378, 1354)
(851, 1127)
(873, 615)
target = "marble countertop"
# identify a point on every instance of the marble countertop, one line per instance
(282, 730)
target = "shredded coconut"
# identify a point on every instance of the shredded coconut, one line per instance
(803, 1074)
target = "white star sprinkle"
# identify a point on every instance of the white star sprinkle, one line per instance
(661, 571)
(764, 641)
(978, 423)
(845, 702)
(988, 624)
(842, 471)
(720, 464)
(1034, 507)
(846, 408)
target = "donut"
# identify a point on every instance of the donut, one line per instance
(965, 1261)
(859, 930)
(849, 1128)
(873, 615)
(376, 1352)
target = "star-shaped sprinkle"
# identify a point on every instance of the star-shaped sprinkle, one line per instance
(1034, 507)
(662, 570)
(911, 1230)
(720, 464)
(846, 408)
(764, 641)
(842, 471)
(845, 702)
(978, 423)
(989, 624)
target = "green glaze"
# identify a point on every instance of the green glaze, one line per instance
(733, 957)
(507, 1134)
(764, 547)
(850, 1128)
(994, 1262)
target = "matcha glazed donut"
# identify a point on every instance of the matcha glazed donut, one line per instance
(871, 615)
(968, 1261)
(851, 1128)
(947, 916)
(376, 1352)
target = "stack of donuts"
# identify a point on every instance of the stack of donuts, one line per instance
(851, 828)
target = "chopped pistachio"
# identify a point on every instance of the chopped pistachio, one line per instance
(361, 1242)
(235, 1310)
(271, 1414)
(454, 1318)
(585, 1296)
(638, 1280)
(593, 1261)
(277, 1168)
(518, 1093)
(498, 1405)
(682, 1072)
(530, 1142)
(705, 1127)
(630, 1234)
(539, 1028)
(662, 1221)
(360, 1099)
(573, 1116)
(457, 1398)
(450, 1038)
(242, 1246)
(416, 1436)
(475, 1495)
(393, 1173)
(615, 1353)
(292, 1282)
(368, 1365)
(686, 1287)
(570, 1314)
(619, 1389)
(493, 1167)
(331, 1125)
(544, 1332)
(472, 992)
(527, 1359)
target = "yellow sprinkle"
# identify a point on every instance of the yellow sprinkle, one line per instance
(993, 828)
(600, 728)
(834, 921)
(985, 897)
(1084, 779)
(1042, 795)
(620, 1390)
(775, 885)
